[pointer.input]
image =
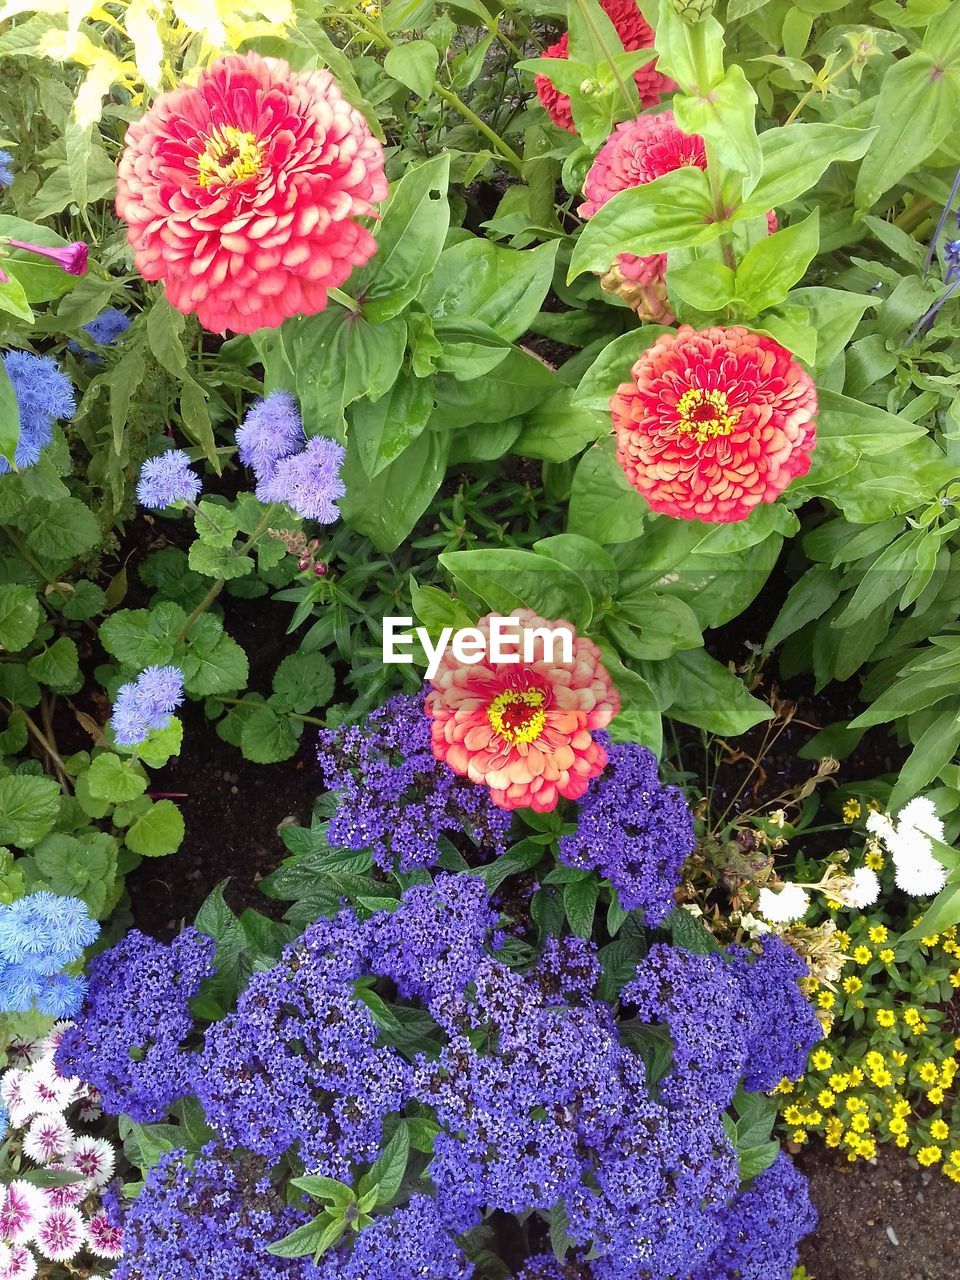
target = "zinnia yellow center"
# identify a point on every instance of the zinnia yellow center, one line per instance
(705, 414)
(518, 716)
(229, 156)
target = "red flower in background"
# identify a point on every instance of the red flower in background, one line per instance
(523, 729)
(637, 152)
(635, 33)
(714, 423)
(241, 193)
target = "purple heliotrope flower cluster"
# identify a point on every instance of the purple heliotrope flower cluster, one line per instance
(44, 396)
(128, 1042)
(394, 797)
(145, 704)
(538, 1097)
(633, 830)
(305, 474)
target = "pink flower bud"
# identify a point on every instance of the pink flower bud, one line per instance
(72, 257)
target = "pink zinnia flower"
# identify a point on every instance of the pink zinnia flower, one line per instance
(61, 1235)
(637, 152)
(103, 1238)
(20, 1211)
(242, 192)
(714, 423)
(524, 729)
(72, 257)
(635, 33)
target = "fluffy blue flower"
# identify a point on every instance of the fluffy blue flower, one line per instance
(40, 935)
(309, 482)
(146, 704)
(633, 830)
(44, 396)
(166, 479)
(272, 430)
(108, 326)
(6, 168)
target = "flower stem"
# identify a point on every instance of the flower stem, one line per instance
(262, 526)
(696, 39)
(822, 87)
(345, 300)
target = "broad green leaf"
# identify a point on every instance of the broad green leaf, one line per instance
(386, 508)
(267, 737)
(559, 428)
(726, 116)
(711, 697)
(382, 429)
(62, 530)
(140, 638)
(507, 579)
(468, 348)
(57, 666)
(13, 299)
(580, 903)
(934, 749)
(603, 504)
(670, 213)
(943, 912)
(84, 867)
(774, 265)
(19, 616)
(386, 1174)
(612, 367)
(165, 327)
(870, 430)
(213, 662)
(410, 238)
(521, 383)
(28, 808)
(592, 562)
(9, 416)
(302, 682)
(321, 1188)
(110, 778)
(158, 832)
(795, 156)
(503, 288)
(414, 64)
(314, 1237)
(638, 719)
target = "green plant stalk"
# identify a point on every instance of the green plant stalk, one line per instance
(48, 746)
(28, 557)
(292, 715)
(587, 15)
(447, 96)
(696, 39)
(821, 87)
(262, 526)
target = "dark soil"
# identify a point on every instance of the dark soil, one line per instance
(886, 1220)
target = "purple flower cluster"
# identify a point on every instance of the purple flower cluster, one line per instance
(39, 936)
(128, 1041)
(762, 1228)
(636, 832)
(6, 168)
(146, 704)
(298, 1064)
(166, 479)
(44, 396)
(305, 474)
(730, 1015)
(405, 1244)
(212, 1215)
(394, 797)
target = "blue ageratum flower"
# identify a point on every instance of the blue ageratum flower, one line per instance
(146, 704)
(309, 482)
(103, 329)
(44, 396)
(6, 168)
(166, 479)
(39, 936)
(271, 431)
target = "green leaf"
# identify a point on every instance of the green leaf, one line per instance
(725, 114)
(110, 778)
(943, 912)
(522, 382)
(558, 428)
(613, 365)
(303, 681)
(672, 212)
(502, 288)
(160, 744)
(386, 508)
(507, 578)
(266, 737)
(638, 719)
(13, 300)
(58, 666)
(140, 638)
(410, 238)
(688, 931)
(314, 1238)
(795, 157)
(414, 64)
(320, 1188)
(916, 110)
(934, 749)
(387, 1173)
(19, 616)
(61, 530)
(84, 867)
(29, 806)
(383, 428)
(218, 562)
(165, 327)
(593, 563)
(870, 430)
(9, 416)
(158, 832)
(775, 264)
(580, 903)
(213, 662)
(468, 348)
(603, 504)
(711, 697)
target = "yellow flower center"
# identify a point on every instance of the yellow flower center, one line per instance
(518, 716)
(705, 414)
(230, 156)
